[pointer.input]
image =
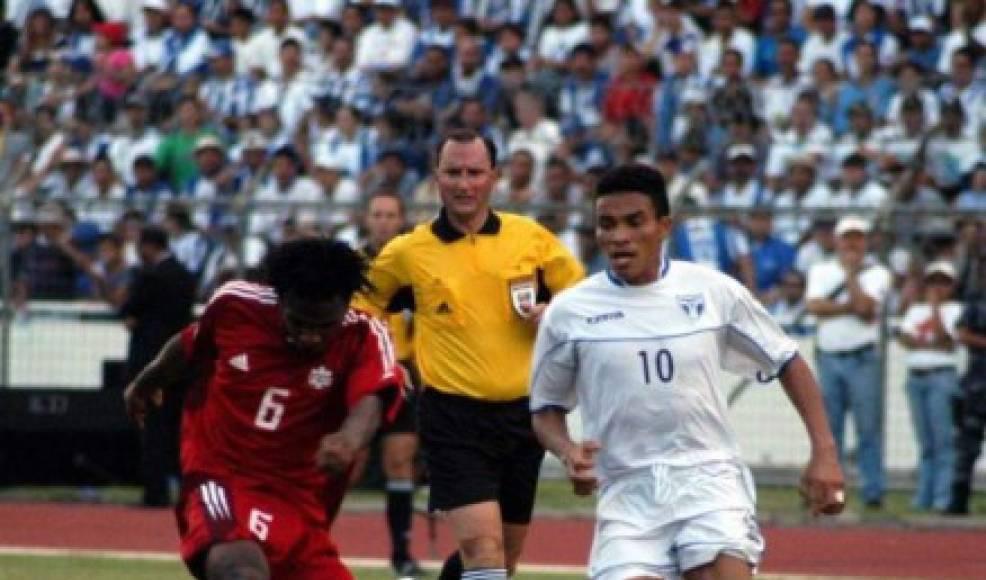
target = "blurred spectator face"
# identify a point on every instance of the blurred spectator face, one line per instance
(732, 65)
(792, 287)
(110, 250)
(823, 73)
(600, 36)
(393, 168)
(938, 286)
(978, 182)
(778, 19)
(853, 176)
(512, 77)
(268, 121)
(527, 107)
(865, 17)
(39, 25)
(254, 158)
(351, 21)
(582, 64)
(669, 16)
(557, 180)
(723, 19)
(861, 122)
(851, 247)
(188, 115)
(866, 58)
(631, 63)
(342, 53)
(385, 15)
(82, 15)
(210, 160)
(509, 41)
(668, 166)
(154, 20)
(473, 115)
(145, 175)
(346, 120)
(434, 64)
(136, 117)
(470, 55)
(278, 15)
(74, 170)
(909, 79)
(684, 63)
(962, 69)
(443, 14)
(802, 116)
(384, 219)
(951, 121)
(183, 18)
(801, 177)
(102, 174)
(760, 224)
(239, 27)
(913, 119)
(787, 56)
(825, 26)
(290, 59)
(284, 169)
(7, 114)
(563, 13)
(920, 39)
(44, 122)
(521, 168)
(24, 235)
(742, 169)
(221, 65)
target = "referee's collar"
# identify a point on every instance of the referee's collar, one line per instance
(442, 227)
(617, 281)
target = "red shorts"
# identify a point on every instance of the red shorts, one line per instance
(292, 531)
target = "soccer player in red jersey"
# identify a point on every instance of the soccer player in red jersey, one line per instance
(285, 384)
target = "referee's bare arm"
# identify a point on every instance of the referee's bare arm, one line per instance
(579, 459)
(822, 482)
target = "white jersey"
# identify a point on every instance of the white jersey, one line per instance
(645, 363)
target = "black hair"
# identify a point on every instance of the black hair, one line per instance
(243, 14)
(315, 269)
(636, 178)
(387, 194)
(465, 135)
(153, 235)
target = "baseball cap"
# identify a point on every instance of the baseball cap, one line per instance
(920, 23)
(940, 267)
(254, 140)
(160, 5)
(801, 160)
(851, 223)
(740, 150)
(208, 141)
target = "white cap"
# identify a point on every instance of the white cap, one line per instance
(940, 267)
(254, 140)
(73, 155)
(331, 162)
(741, 150)
(851, 223)
(161, 5)
(207, 142)
(920, 23)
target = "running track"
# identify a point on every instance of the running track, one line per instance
(820, 550)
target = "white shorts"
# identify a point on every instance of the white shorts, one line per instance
(664, 521)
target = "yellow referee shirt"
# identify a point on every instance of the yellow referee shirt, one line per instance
(469, 294)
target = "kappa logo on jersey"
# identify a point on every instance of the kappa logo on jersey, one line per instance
(320, 378)
(604, 317)
(240, 362)
(692, 304)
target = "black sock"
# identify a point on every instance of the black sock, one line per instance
(452, 570)
(399, 506)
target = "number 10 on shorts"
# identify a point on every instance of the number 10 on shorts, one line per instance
(259, 524)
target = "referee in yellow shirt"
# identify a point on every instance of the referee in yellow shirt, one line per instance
(479, 281)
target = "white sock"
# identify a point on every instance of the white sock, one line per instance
(485, 574)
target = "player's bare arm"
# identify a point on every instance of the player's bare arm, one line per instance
(338, 450)
(168, 368)
(822, 482)
(578, 458)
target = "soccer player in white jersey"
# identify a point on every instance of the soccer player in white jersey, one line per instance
(642, 348)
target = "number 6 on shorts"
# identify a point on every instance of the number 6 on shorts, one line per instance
(259, 524)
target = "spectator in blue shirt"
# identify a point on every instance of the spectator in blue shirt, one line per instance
(772, 257)
(777, 27)
(922, 46)
(869, 85)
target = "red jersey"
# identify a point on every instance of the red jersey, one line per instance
(261, 406)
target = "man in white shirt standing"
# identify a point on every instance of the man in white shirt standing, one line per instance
(641, 347)
(846, 295)
(387, 44)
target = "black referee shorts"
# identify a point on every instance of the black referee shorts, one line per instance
(406, 420)
(479, 451)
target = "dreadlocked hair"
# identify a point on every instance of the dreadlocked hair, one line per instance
(315, 269)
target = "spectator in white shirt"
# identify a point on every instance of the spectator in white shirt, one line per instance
(564, 32)
(263, 50)
(137, 139)
(285, 185)
(898, 144)
(535, 133)
(963, 86)
(781, 90)
(910, 83)
(101, 197)
(805, 136)
(340, 193)
(387, 44)
(743, 189)
(804, 190)
(824, 42)
(858, 189)
(951, 152)
(240, 26)
(726, 35)
(861, 138)
(186, 44)
(673, 32)
(291, 90)
(148, 45)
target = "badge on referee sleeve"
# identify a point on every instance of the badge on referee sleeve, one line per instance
(523, 294)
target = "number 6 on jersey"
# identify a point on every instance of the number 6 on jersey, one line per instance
(663, 365)
(271, 409)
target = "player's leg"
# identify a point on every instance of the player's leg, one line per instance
(866, 400)
(518, 488)
(237, 560)
(398, 466)
(724, 567)
(478, 531)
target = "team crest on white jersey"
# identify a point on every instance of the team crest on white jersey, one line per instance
(692, 304)
(320, 378)
(523, 295)
(240, 362)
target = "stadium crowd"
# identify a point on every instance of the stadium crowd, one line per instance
(237, 124)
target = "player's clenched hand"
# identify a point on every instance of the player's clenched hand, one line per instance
(580, 463)
(335, 453)
(823, 486)
(136, 401)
